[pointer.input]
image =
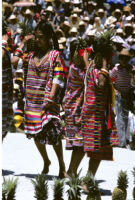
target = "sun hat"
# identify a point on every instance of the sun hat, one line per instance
(66, 23)
(110, 20)
(73, 30)
(62, 40)
(91, 33)
(100, 10)
(82, 23)
(126, 9)
(12, 17)
(49, 9)
(28, 12)
(77, 10)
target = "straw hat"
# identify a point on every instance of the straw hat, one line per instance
(82, 23)
(100, 10)
(49, 9)
(73, 30)
(66, 23)
(110, 20)
(91, 33)
(76, 1)
(28, 12)
(117, 11)
(86, 19)
(117, 39)
(62, 40)
(125, 52)
(12, 17)
(77, 10)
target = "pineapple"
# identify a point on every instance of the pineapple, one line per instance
(58, 189)
(74, 191)
(9, 189)
(134, 183)
(92, 187)
(120, 192)
(25, 30)
(41, 187)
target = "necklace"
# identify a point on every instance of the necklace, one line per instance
(38, 62)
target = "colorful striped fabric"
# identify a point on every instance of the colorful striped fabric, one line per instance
(96, 138)
(7, 91)
(73, 104)
(38, 87)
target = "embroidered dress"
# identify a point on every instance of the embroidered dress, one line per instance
(43, 125)
(7, 91)
(73, 105)
(98, 140)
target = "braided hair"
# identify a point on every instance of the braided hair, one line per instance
(48, 32)
(75, 46)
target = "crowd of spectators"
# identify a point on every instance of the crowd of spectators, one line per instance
(72, 19)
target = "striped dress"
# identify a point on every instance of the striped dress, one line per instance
(43, 125)
(73, 105)
(98, 140)
(7, 91)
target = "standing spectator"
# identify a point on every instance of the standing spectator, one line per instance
(7, 83)
(121, 78)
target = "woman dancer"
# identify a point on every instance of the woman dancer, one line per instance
(44, 84)
(74, 98)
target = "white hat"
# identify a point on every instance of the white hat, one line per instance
(19, 70)
(82, 23)
(129, 18)
(117, 39)
(62, 40)
(66, 23)
(73, 30)
(91, 33)
(74, 15)
(119, 30)
(12, 16)
(49, 8)
(76, 1)
(128, 25)
(16, 86)
(28, 12)
(110, 20)
(100, 10)
(86, 19)
(77, 10)
(117, 11)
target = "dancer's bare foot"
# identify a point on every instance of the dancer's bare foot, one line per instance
(46, 167)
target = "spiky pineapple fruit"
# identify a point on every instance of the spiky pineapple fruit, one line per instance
(92, 187)
(41, 187)
(134, 183)
(9, 189)
(74, 183)
(120, 192)
(58, 189)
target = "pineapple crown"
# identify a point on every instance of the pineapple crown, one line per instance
(9, 188)
(91, 183)
(25, 29)
(122, 181)
(103, 45)
(58, 189)
(41, 187)
(74, 183)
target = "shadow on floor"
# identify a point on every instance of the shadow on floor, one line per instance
(48, 177)
(7, 172)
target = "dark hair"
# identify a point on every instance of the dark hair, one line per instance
(48, 32)
(77, 44)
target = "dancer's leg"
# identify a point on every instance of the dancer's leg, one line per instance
(59, 152)
(76, 158)
(42, 150)
(93, 165)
